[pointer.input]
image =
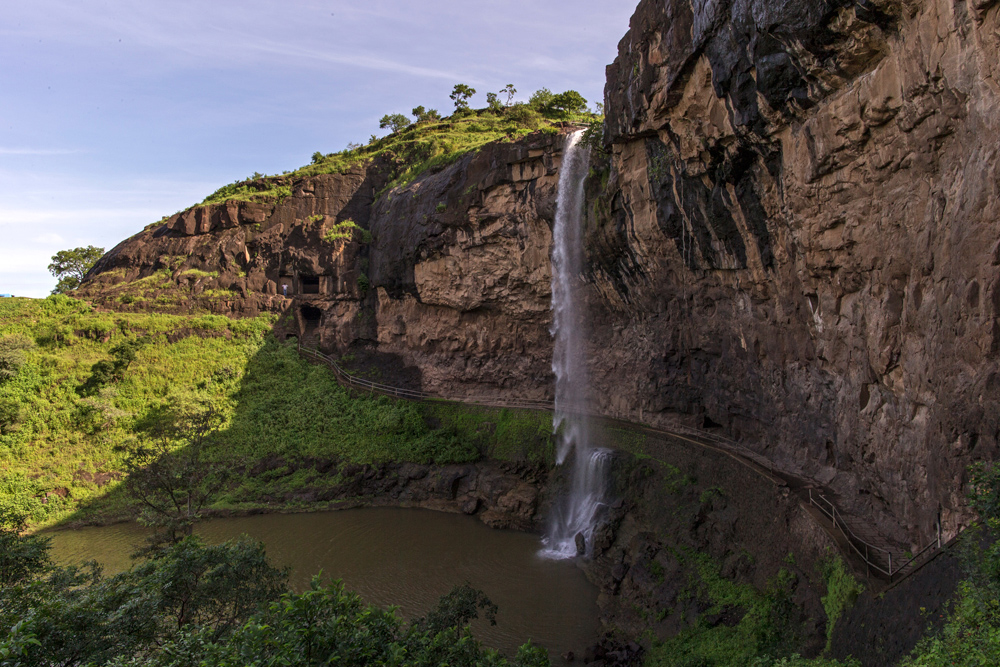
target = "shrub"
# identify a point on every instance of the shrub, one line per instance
(525, 116)
(842, 589)
(13, 354)
(363, 284)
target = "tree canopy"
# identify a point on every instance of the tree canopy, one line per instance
(70, 266)
(395, 122)
(460, 95)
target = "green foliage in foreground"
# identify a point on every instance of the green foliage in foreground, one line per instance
(189, 604)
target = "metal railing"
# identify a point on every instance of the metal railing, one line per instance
(879, 559)
(869, 553)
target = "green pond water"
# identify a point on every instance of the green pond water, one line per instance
(403, 557)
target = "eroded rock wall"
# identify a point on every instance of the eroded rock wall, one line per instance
(445, 285)
(798, 239)
(461, 264)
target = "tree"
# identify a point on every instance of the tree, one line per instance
(79, 617)
(424, 115)
(317, 157)
(509, 90)
(458, 608)
(493, 102)
(168, 471)
(70, 266)
(396, 122)
(541, 99)
(460, 95)
(569, 102)
(21, 556)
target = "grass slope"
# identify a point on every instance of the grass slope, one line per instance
(58, 441)
(414, 150)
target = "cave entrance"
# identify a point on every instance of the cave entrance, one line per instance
(310, 284)
(311, 317)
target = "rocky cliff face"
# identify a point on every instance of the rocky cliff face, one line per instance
(798, 241)
(792, 238)
(444, 285)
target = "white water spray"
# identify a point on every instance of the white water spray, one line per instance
(573, 515)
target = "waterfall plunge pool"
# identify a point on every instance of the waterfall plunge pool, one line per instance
(403, 557)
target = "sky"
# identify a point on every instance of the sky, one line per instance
(115, 113)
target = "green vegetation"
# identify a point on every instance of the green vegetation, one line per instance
(971, 633)
(395, 122)
(186, 603)
(70, 266)
(766, 627)
(425, 115)
(431, 143)
(84, 388)
(460, 95)
(257, 188)
(345, 230)
(842, 589)
(198, 273)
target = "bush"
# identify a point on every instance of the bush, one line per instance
(13, 354)
(842, 589)
(524, 115)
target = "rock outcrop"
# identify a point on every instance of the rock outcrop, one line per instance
(798, 240)
(792, 237)
(444, 283)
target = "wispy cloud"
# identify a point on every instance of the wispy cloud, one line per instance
(355, 60)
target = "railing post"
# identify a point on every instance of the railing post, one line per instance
(868, 566)
(890, 567)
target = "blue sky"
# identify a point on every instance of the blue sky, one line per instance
(115, 113)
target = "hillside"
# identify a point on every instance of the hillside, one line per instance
(285, 423)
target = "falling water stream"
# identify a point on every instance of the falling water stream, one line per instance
(573, 515)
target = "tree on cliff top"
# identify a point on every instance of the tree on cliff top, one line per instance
(70, 266)
(424, 115)
(460, 95)
(395, 122)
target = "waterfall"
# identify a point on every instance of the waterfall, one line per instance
(573, 514)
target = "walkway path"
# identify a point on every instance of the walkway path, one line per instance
(860, 543)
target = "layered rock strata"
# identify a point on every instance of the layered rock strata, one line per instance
(798, 241)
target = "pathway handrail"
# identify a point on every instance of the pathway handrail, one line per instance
(864, 549)
(826, 506)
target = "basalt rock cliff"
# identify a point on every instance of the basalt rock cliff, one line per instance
(798, 239)
(792, 237)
